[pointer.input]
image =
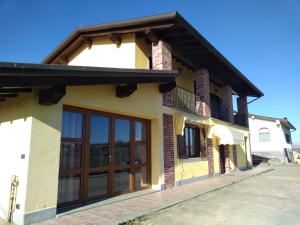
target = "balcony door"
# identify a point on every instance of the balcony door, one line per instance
(102, 155)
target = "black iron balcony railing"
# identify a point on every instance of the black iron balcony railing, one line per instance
(184, 99)
(187, 101)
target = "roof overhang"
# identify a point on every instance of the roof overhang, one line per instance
(22, 77)
(188, 46)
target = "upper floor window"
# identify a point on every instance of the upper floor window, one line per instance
(264, 135)
(287, 138)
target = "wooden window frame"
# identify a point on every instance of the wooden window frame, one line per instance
(188, 154)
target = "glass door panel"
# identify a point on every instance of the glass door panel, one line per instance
(98, 171)
(122, 142)
(121, 162)
(99, 141)
(70, 170)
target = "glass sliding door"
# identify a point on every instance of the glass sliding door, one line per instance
(102, 155)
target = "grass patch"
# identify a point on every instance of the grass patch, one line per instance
(134, 221)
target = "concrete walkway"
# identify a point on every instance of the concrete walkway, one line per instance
(128, 209)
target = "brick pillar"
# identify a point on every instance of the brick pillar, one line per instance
(202, 93)
(210, 157)
(162, 60)
(169, 165)
(243, 110)
(234, 157)
(227, 157)
(226, 99)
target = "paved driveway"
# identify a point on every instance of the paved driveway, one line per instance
(272, 198)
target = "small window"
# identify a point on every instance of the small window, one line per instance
(288, 138)
(264, 135)
(189, 144)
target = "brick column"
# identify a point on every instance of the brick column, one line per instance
(202, 92)
(227, 157)
(234, 153)
(210, 157)
(226, 99)
(242, 107)
(162, 60)
(169, 165)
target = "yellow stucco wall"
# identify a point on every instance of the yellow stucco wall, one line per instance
(44, 157)
(104, 53)
(241, 156)
(15, 133)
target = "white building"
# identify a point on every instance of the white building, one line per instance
(271, 138)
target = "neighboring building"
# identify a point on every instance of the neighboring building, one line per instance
(296, 151)
(271, 138)
(78, 132)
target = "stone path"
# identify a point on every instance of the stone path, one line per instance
(125, 210)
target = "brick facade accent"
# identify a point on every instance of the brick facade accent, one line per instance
(234, 152)
(227, 156)
(210, 157)
(242, 107)
(202, 93)
(162, 60)
(226, 99)
(169, 164)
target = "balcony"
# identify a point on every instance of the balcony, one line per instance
(184, 100)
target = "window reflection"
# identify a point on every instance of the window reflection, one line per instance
(122, 141)
(140, 131)
(68, 188)
(72, 124)
(70, 155)
(99, 141)
(97, 183)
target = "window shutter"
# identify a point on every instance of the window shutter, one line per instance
(181, 146)
(202, 143)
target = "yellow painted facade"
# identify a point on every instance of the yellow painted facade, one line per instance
(38, 128)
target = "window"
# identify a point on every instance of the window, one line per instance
(215, 104)
(287, 138)
(189, 145)
(264, 135)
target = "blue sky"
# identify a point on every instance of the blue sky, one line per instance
(260, 37)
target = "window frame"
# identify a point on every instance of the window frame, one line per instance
(264, 131)
(197, 144)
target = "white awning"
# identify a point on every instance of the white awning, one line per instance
(229, 135)
(181, 119)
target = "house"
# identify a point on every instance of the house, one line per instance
(271, 138)
(118, 108)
